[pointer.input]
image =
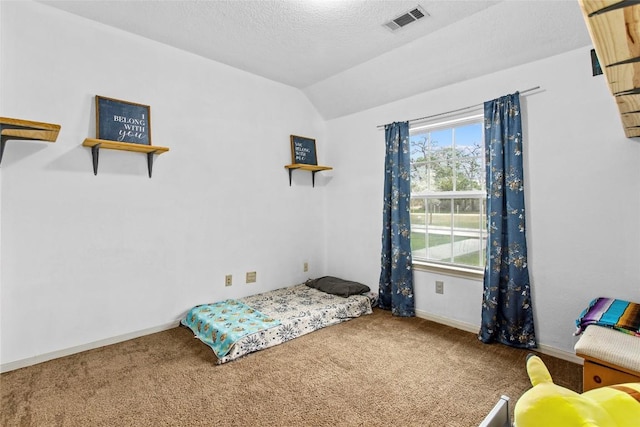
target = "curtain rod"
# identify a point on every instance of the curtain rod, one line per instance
(459, 109)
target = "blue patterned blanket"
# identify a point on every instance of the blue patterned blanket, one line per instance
(220, 325)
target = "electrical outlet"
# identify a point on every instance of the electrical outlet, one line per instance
(228, 280)
(306, 266)
(439, 287)
(251, 277)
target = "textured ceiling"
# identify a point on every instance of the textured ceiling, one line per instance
(338, 51)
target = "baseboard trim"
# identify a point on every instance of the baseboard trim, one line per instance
(23, 363)
(464, 326)
(560, 354)
(468, 327)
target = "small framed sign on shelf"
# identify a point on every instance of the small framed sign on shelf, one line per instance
(123, 121)
(303, 150)
(304, 157)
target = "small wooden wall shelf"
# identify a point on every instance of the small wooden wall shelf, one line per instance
(614, 27)
(97, 144)
(26, 130)
(313, 168)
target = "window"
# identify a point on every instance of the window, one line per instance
(448, 194)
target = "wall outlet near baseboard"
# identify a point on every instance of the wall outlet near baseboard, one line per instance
(228, 280)
(439, 287)
(251, 277)
(305, 267)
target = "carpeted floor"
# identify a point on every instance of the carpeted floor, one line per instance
(377, 370)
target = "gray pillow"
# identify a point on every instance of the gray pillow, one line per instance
(336, 286)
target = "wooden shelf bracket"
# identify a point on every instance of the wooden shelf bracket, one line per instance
(312, 168)
(26, 130)
(149, 150)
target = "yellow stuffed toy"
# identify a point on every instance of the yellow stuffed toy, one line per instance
(550, 405)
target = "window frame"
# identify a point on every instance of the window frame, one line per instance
(449, 268)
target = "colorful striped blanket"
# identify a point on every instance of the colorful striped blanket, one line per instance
(612, 313)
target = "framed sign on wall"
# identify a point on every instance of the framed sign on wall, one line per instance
(304, 157)
(303, 150)
(123, 121)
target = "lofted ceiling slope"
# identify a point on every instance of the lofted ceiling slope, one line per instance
(339, 53)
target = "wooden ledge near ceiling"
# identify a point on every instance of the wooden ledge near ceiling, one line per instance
(614, 27)
(27, 129)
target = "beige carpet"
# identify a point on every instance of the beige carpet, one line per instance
(373, 371)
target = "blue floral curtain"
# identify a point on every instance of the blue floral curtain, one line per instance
(396, 276)
(507, 313)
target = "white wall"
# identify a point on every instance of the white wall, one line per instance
(582, 194)
(86, 258)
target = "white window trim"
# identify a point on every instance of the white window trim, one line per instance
(467, 272)
(449, 270)
(472, 194)
(447, 124)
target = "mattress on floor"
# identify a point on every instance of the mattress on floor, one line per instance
(296, 310)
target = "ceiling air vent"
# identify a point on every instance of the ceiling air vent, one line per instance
(406, 18)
